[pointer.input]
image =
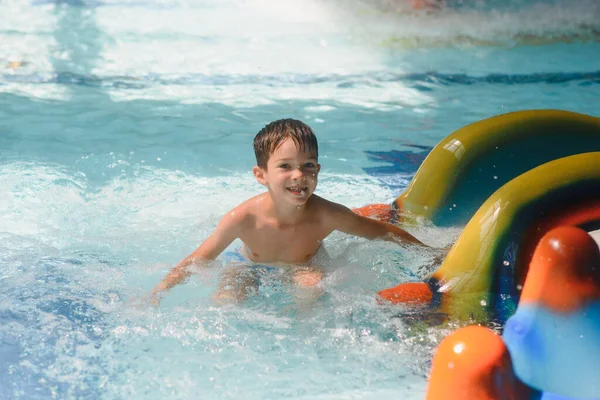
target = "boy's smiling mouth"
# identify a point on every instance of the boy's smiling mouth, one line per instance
(298, 190)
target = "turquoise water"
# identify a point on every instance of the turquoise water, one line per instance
(125, 133)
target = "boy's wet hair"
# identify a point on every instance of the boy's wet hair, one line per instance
(272, 136)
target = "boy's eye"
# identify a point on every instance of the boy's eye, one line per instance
(309, 165)
(284, 166)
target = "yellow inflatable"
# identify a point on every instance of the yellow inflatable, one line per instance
(513, 178)
(466, 167)
(482, 275)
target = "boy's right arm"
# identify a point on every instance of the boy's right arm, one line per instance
(226, 232)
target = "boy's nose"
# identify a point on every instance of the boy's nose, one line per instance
(298, 173)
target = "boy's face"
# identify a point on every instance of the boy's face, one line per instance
(291, 175)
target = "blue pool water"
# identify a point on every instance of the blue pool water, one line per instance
(125, 133)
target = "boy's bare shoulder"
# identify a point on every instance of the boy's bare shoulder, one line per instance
(245, 212)
(329, 208)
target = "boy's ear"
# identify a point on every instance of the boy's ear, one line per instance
(259, 174)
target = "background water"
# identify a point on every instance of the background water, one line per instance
(125, 133)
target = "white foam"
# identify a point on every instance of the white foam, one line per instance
(58, 207)
(214, 42)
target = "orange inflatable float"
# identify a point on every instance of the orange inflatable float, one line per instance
(550, 348)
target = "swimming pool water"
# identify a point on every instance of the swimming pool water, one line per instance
(125, 133)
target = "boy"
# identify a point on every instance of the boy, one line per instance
(286, 224)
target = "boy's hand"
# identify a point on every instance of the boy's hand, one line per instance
(439, 258)
(146, 301)
(154, 300)
(441, 254)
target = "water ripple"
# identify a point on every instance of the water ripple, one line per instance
(424, 81)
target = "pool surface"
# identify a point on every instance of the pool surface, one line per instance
(125, 134)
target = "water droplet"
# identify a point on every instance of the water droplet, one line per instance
(506, 263)
(483, 303)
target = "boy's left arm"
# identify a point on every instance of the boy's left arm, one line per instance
(345, 220)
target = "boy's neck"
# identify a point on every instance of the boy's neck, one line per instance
(287, 214)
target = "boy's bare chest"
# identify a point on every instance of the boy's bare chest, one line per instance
(292, 244)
